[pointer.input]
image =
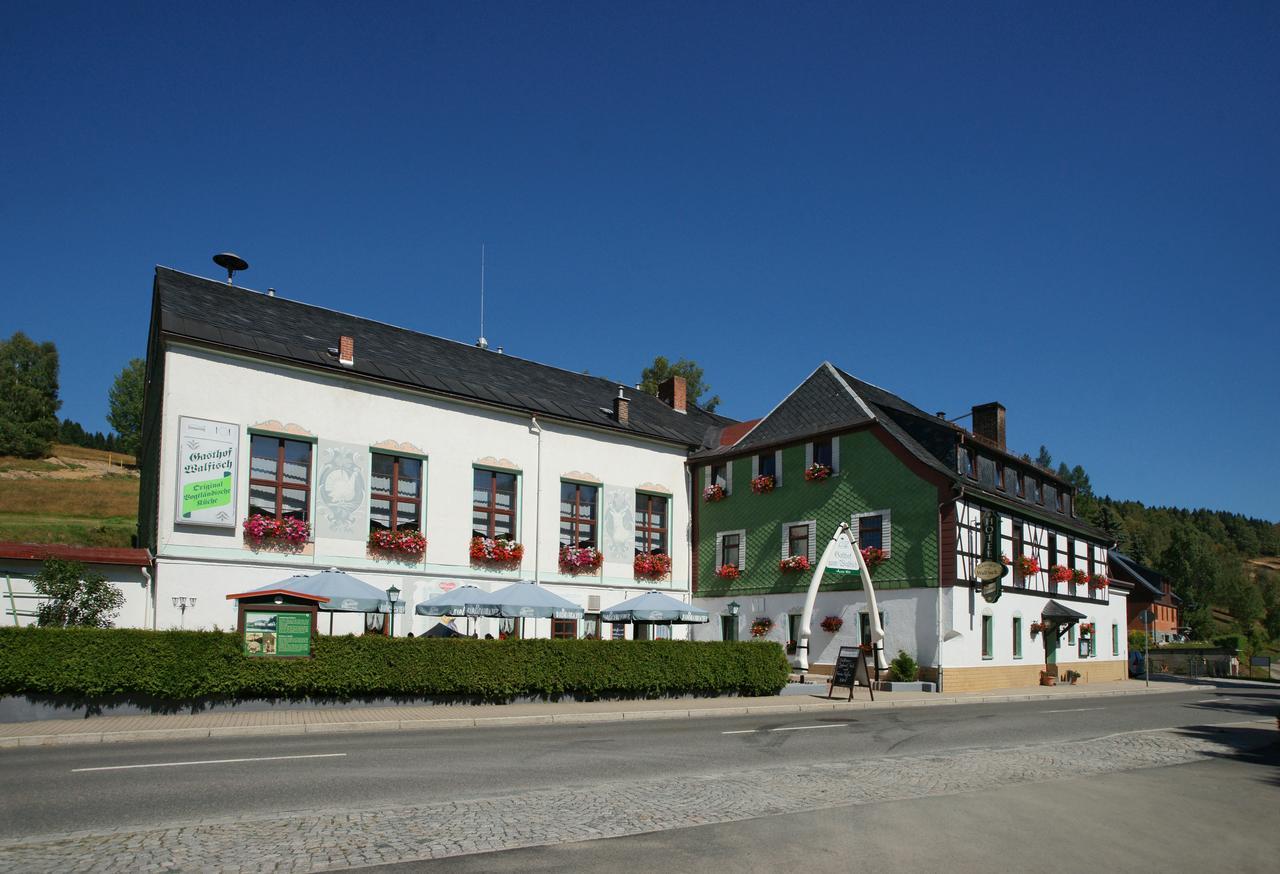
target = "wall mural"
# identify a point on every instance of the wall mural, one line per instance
(342, 506)
(619, 523)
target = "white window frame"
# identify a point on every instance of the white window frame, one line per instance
(886, 528)
(742, 548)
(777, 467)
(813, 539)
(835, 455)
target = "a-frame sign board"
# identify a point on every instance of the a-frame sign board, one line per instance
(850, 670)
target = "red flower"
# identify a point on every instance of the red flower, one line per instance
(832, 624)
(874, 557)
(761, 626)
(1059, 573)
(1028, 565)
(762, 484)
(794, 563)
(652, 565)
(580, 559)
(406, 541)
(713, 493)
(817, 472)
(495, 551)
(728, 572)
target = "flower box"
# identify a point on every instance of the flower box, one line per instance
(728, 572)
(874, 556)
(263, 530)
(763, 484)
(794, 564)
(714, 493)
(817, 472)
(402, 542)
(761, 626)
(496, 551)
(1098, 581)
(1028, 565)
(1038, 628)
(580, 560)
(652, 566)
(1060, 573)
(1079, 578)
(1086, 628)
(832, 624)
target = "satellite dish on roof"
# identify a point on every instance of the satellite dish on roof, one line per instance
(231, 262)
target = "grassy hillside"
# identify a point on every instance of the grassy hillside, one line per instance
(77, 496)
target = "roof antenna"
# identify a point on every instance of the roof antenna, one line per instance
(482, 342)
(231, 262)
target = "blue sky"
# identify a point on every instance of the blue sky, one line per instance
(1069, 208)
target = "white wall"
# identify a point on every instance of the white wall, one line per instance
(210, 563)
(20, 596)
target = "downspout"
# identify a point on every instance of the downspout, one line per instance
(537, 503)
(937, 602)
(147, 607)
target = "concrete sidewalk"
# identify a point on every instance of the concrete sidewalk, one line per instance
(416, 717)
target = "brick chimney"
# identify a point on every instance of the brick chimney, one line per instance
(621, 408)
(347, 351)
(672, 393)
(988, 423)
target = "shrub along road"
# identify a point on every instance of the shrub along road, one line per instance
(387, 797)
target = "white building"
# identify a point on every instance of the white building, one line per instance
(258, 405)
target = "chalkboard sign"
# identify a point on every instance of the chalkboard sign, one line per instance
(850, 670)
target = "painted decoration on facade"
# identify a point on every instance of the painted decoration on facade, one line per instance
(619, 524)
(342, 504)
(208, 457)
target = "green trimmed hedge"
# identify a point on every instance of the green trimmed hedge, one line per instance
(209, 665)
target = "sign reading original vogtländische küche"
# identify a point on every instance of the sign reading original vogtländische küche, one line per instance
(208, 456)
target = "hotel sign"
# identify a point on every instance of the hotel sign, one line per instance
(208, 458)
(991, 570)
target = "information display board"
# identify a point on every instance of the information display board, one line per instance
(285, 633)
(851, 670)
(208, 457)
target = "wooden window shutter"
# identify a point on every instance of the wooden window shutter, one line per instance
(886, 528)
(755, 466)
(813, 544)
(706, 476)
(808, 455)
(728, 477)
(835, 454)
(742, 550)
(719, 549)
(855, 528)
(786, 540)
(777, 468)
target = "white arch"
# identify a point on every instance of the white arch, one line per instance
(806, 616)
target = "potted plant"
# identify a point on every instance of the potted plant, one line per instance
(1079, 578)
(1038, 628)
(832, 624)
(496, 552)
(713, 493)
(580, 560)
(1048, 678)
(1060, 573)
(652, 565)
(761, 625)
(763, 484)
(1072, 676)
(728, 572)
(1098, 581)
(874, 556)
(794, 564)
(401, 542)
(290, 533)
(817, 472)
(1086, 628)
(1028, 565)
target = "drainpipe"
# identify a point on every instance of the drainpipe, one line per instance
(537, 503)
(147, 607)
(938, 600)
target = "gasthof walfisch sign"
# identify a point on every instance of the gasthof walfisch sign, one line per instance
(208, 455)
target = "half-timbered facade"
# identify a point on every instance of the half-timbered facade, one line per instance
(914, 488)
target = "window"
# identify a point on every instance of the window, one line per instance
(1053, 549)
(1115, 640)
(564, 629)
(798, 540)
(395, 493)
(969, 463)
(728, 627)
(793, 631)
(1037, 490)
(864, 626)
(823, 453)
(651, 524)
(591, 626)
(1000, 475)
(871, 532)
(720, 475)
(1060, 500)
(1021, 482)
(1017, 637)
(279, 477)
(577, 514)
(1071, 634)
(766, 465)
(1018, 578)
(730, 549)
(493, 504)
(987, 628)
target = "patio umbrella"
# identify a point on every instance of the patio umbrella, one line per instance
(468, 601)
(654, 606)
(346, 594)
(528, 600)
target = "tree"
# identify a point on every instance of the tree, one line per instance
(1044, 459)
(28, 396)
(662, 370)
(75, 596)
(1112, 522)
(125, 400)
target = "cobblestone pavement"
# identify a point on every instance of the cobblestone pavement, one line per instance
(328, 839)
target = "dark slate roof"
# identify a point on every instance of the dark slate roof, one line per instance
(214, 312)
(1055, 612)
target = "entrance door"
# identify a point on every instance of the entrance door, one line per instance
(728, 627)
(1051, 645)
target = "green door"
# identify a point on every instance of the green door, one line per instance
(1051, 645)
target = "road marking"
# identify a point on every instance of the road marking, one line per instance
(1208, 701)
(742, 731)
(207, 762)
(1073, 710)
(808, 727)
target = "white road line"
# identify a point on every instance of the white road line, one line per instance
(207, 762)
(743, 731)
(807, 727)
(1073, 710)
(1209, 701)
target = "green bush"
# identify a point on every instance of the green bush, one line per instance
(1137, 641)
(208, 665)
(1234, 642)
(904, 669)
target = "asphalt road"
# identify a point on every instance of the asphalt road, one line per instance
(62, 789)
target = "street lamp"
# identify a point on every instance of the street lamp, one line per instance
(733, 607)
(393, 595)
(182, 603)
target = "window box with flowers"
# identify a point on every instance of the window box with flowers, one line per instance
(817, 472)
(1086, 628)
(265, 532)
(652, 565)
(1098, 581)
(1059, 573)
(794, 564)
(761, 626)
(874, 556)
(580, 560)
(763, 484)
(1079, 578)
(1028, 565)
(728, 572)
(403, 542)
(832, 624)
(1038, 628)
(713, 493)
(496, 552)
